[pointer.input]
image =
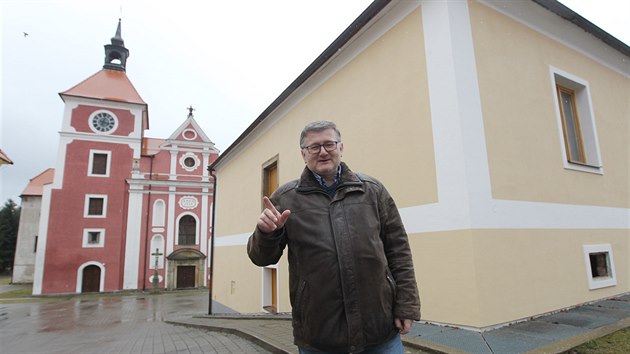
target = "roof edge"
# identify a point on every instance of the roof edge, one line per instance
(366, 16)
(566, 13)
(355, 27)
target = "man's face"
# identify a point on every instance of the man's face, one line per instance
(323, 162)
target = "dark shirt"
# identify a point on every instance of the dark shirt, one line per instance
(330, 190)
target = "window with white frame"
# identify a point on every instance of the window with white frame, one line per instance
(189, 161)
(93, 238)
(600, 267)
(157, 252)
(99, 163)
(187, 230)
(95, 206)
(576, 123)
(159, 212)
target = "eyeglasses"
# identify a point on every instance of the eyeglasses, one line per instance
(316, 148)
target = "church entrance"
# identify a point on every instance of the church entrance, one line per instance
(186, 269)
(185, 277)
(91, 279)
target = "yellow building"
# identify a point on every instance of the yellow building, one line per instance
(501, 130)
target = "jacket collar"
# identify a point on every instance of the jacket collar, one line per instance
(307, 181)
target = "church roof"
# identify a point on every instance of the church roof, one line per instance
(190, 123)
(151, 146)
(108, 85)
(4, 159)
(36, 184)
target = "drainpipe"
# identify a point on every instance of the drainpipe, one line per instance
(214, 224)
(146, 228)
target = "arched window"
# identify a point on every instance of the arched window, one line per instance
(159, 211)
(187, 230)
(157, 252)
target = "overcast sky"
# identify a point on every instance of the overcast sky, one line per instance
(228, 59)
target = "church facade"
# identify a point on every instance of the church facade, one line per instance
(124, 211)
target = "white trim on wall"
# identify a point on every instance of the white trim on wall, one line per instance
(86, 238)
(462, 167)
(132, 245)
(91, 162)
(86, 206)
(101, 286)
(40, 255)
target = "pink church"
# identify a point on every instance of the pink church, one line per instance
(124, 212)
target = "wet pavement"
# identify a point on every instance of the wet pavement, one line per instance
(114, 324)
(177, 322)
(168, 322)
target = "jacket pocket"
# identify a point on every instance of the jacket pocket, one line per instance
(392, 287)
(300, 303)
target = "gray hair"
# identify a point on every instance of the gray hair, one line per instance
(319, 126)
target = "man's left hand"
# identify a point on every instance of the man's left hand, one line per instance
(404, 326)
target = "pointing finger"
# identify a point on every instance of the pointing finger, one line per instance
(270, 206)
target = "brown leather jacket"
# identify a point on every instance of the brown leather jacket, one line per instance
(350, 266)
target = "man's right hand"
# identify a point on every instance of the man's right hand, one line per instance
(270, 220)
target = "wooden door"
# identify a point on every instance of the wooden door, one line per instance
(185, 277)
(91, 279)
(270, 185)
(274, 288)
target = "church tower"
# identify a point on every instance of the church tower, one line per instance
(83, 224)
(116, 54)
(124, 211)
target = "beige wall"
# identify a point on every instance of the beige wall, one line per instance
(483, 278)
(386, 131)
(380, 103)
(445, 271)
(525, 272)
(523, 142)
(471, 276)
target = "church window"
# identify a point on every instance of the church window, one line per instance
(189, 161)
(189, 134)
(157, 247)
(99, 167)
(187, 229)
(93, 238)
(95, 206)
(99, 163)
(159, 212)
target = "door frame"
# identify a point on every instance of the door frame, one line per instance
(79, 286)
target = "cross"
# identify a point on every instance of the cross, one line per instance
(156, 278)
(156, 254)
(190, 110)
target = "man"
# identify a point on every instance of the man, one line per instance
(351, 279)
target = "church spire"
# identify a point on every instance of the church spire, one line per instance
(116, 54)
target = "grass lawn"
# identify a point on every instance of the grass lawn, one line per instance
(618, 342)
(21, 293)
